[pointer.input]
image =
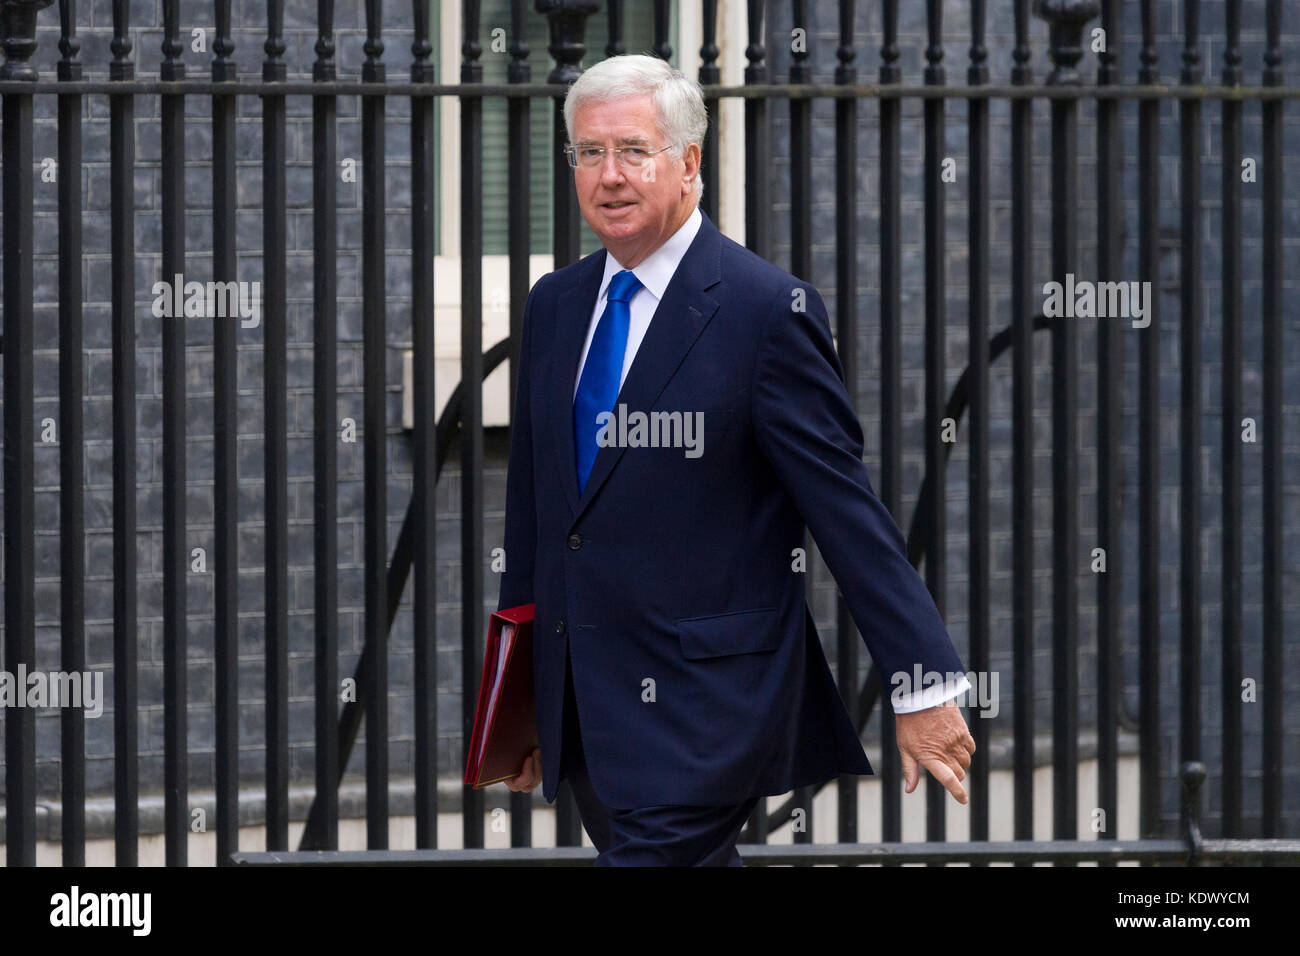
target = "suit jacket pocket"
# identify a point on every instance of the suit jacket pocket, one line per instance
(733, 632)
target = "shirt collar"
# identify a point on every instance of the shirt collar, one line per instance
(657, 269)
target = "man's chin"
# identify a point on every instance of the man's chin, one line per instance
(608, 232)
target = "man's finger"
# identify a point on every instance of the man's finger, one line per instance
(944, 774)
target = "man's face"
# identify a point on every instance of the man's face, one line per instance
(633, 211)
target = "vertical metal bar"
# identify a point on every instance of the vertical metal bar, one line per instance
(757, 235)
(1271, 306)
(660, 47)
(710, 76)
(1066, 22)
(1149, 439)
(424, 552)
(175, 558)
(274, 362)
(376, 476)
(1230, 503)
(17, 31)
(846, 312)
(891, 429)
(801, 266)
(1110, 411)
(520, 162)
(567, 21)
(978, 427)
(1022, 430)
(936, 577)
(758, 203)
(471, 408)
(1189, 431)
(326, 436)
(72, 549)
(225, 426)
(614, 18)
(126, 783)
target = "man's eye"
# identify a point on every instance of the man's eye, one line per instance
(589, 151)
(635, 152)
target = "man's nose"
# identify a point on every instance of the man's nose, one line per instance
(610, 170)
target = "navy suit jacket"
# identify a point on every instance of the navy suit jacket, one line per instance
(672, 580)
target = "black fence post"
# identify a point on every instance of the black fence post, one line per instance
(225, 427)
(18, 35)
(846, 324)
(1274, 689)
(1230, 502)
(72, 544)
(891, 359)
(322, 829)
(710, 75)
(423, 547)
(936, 265)
(1189, 402)
(519, 186)
(375, 357)
(568, 23)
(1022, 431)
(978, 478)
(1149, 439)
(126, 721)
(275, 417)
(175, 558)
(1110, 436)
(471, 412)
(1066, 19)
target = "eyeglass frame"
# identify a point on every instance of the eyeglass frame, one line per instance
(571, 153)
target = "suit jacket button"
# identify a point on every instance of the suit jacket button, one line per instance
(575, 541)
(559, 627)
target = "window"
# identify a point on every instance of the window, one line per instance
(638, 35)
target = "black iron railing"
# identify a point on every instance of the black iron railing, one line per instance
(1063, 90)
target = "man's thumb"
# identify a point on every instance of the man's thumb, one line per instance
(910, 771)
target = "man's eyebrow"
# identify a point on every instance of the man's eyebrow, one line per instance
(629, 140)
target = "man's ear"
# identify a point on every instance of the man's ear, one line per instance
(688, 181)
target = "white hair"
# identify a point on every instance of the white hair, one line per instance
(679, 103)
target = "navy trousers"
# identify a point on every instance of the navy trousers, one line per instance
(647, 836)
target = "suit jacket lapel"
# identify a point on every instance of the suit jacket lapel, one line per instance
(680, 317)
(573, 314)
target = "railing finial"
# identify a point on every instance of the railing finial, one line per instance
(1192, 776)
(1065, 19)
(568, 23)
(18, 36)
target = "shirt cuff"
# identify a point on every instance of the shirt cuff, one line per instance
(930, 696)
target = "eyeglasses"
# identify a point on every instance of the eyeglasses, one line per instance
(589, 157)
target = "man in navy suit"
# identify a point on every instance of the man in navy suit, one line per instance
(680, 417)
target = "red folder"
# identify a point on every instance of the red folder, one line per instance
(505, 725)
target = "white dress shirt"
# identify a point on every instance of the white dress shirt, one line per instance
(655, 272)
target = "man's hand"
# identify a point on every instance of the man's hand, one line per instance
(938, 739)
(530, 774)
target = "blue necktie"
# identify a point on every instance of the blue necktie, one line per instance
(598, 387)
